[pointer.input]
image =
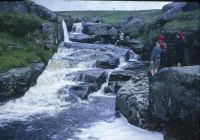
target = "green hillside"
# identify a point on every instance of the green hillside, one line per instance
(114, 17)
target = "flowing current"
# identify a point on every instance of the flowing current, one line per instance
(49, 111)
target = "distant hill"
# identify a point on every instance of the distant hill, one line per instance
(113, 17)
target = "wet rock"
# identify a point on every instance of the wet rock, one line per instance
(82, 91)
(95, 28)
(132, 101)
(96, 77)
(175, 99)
(105, 56)
(118, 78)
(107, 64)
(136, 66)
(84, 38)
(17, 81)
(121, 75)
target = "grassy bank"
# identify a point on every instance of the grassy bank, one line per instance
(15, 49)
(114, 17)
(18, 52)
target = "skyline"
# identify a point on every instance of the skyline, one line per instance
(68, 5)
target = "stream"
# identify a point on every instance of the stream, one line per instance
(50, 111)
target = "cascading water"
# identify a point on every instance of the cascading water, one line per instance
(77, 27)
(66, 34)
(48, 111)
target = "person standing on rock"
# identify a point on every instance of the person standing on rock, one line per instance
(155, 59)
(180, 46)
(163, 46)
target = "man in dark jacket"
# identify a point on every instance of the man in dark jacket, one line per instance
(180, 46)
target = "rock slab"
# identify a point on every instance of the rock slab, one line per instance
(175, 99)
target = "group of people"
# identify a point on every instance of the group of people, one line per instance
(158, 57)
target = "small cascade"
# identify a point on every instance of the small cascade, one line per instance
(77, 28)
(66, 34)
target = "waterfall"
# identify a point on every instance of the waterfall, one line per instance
(43, 98)
(77, 28)
(66, 35)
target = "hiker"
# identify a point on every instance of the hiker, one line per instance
(180, 45)
(163, 46)
(155, 59)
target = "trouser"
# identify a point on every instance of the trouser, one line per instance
(180, 58)
(163, 58)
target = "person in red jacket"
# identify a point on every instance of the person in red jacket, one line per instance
(163, 46)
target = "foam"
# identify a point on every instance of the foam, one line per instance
(120, 129)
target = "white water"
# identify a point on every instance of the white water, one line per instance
(120, 129)
(66, 34)
(43, 97)
(77, 28)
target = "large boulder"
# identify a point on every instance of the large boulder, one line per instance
(184, 6)
(173, 5)
(132, 101)
(95, 28)
(175, 99)
(84, 38)
(96, 77)
(41, 11)
(81, 91)
(29, 7)
(16, 82)
(134, 25)
(170, 11)
(105, 56)
(107, 64)
(24, 7)
(121, 75)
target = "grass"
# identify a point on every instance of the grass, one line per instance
(114, 17)
(15, 49)
(184, 20)
(27, 52)
(18, 24)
